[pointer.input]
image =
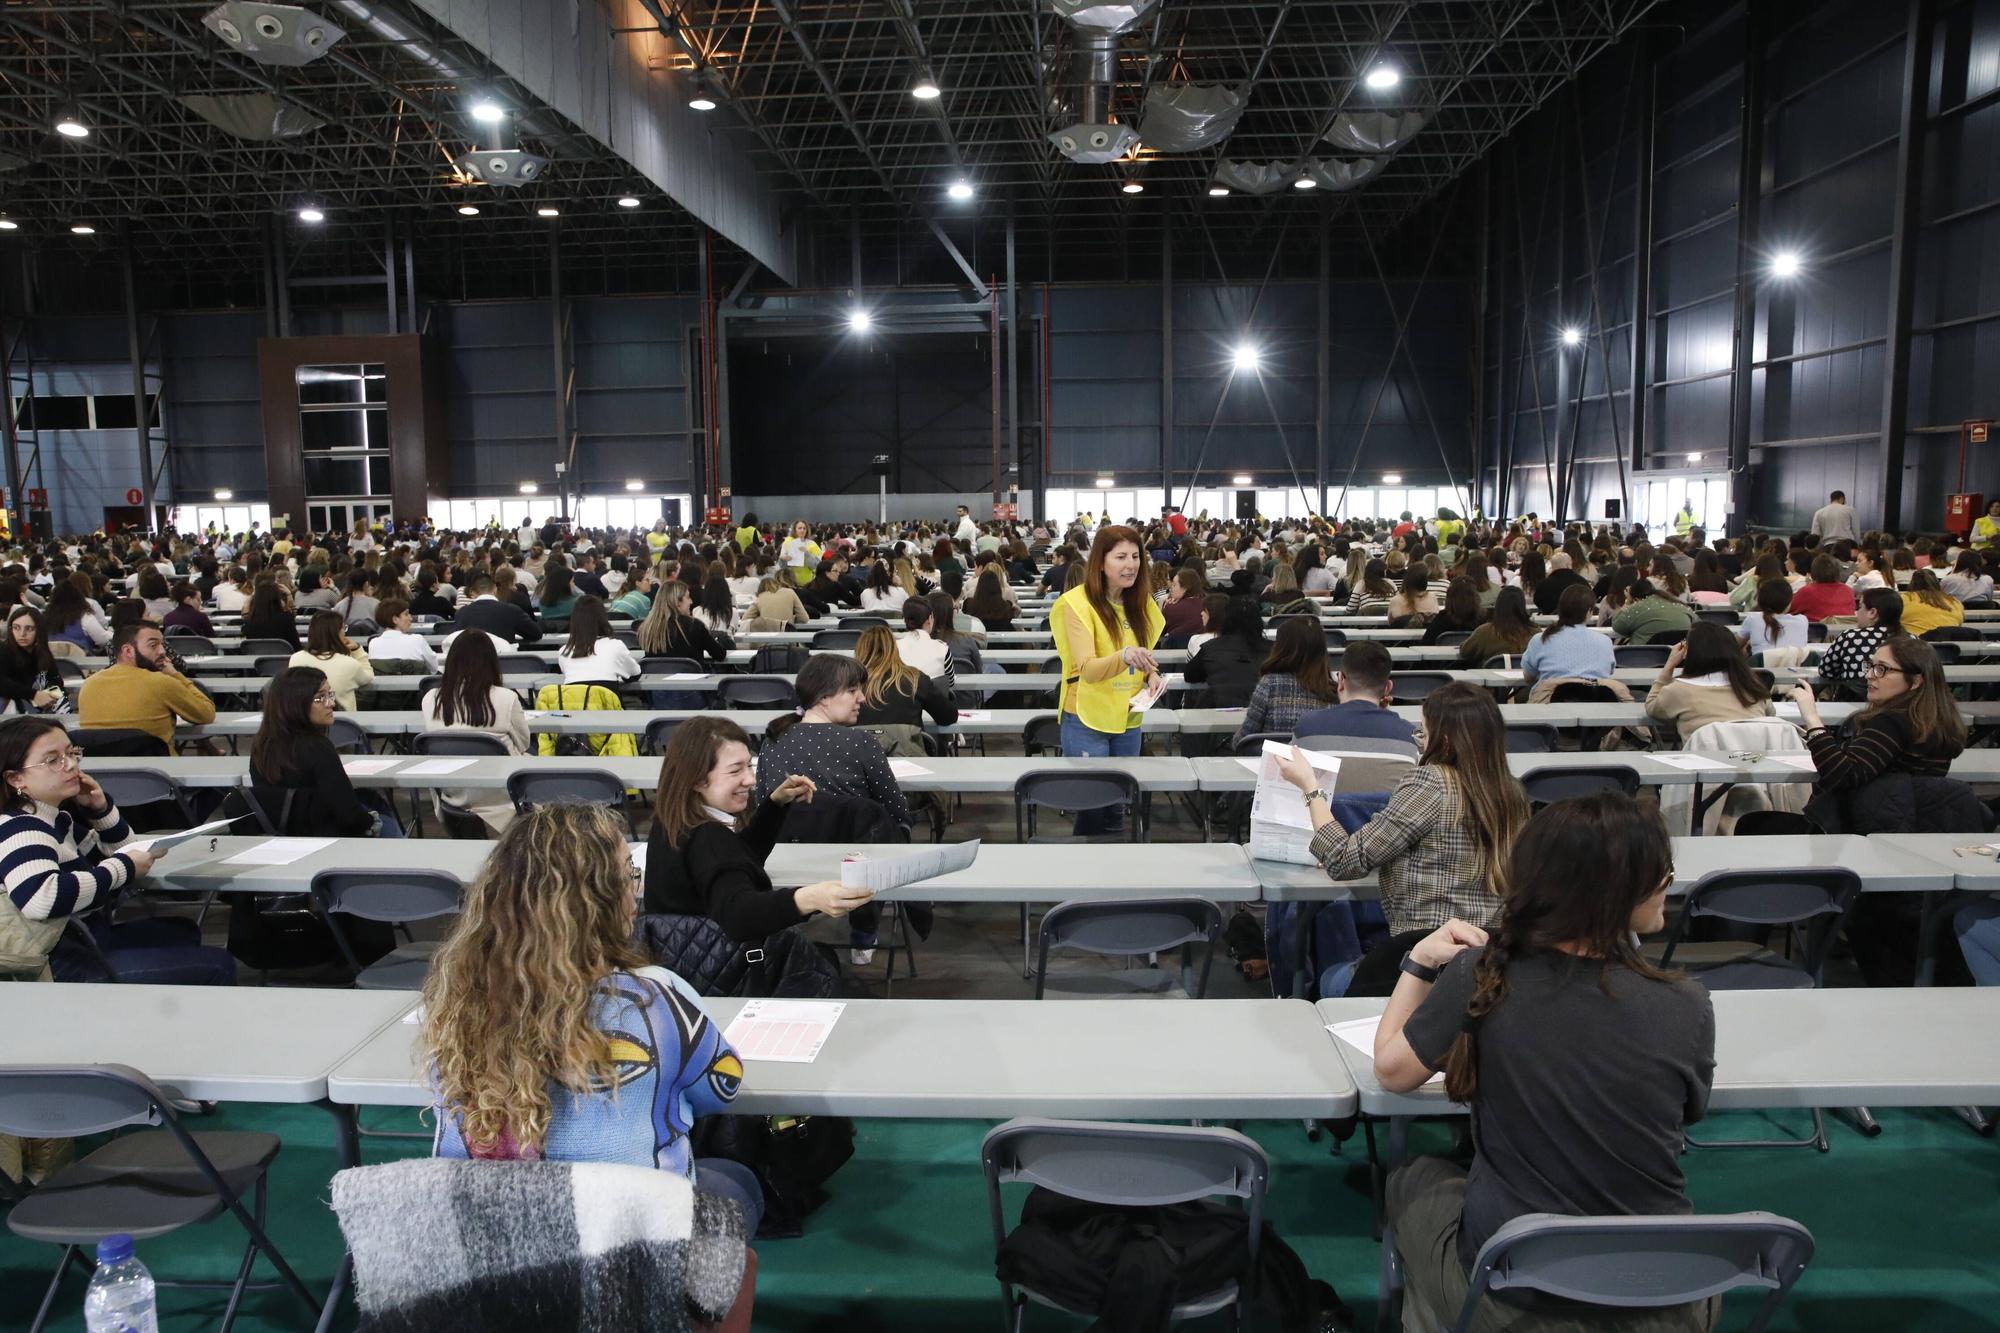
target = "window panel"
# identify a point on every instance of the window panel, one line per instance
(330, 384)
(336, 476)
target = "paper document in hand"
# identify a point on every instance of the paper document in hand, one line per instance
(159, 842)
(1281, 827)
(885, 873)
(280, 851)
(789, 1031)
(1359, 1033)
(1146, 698)
(904, 768)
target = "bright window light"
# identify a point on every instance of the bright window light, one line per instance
(1245, 357)
(1383, 77)
(860, 320)
(1785, 264)
(1571, 337)
(311, 215)
(628, 201)
(488, 112)
(925, 89)
(1106, 483)
(960, 190)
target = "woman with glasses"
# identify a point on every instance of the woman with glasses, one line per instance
(29, 681)
(296, 774)
(1582, 1063)
(1911, 724)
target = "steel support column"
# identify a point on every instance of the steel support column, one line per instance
(1013, 375)
(1482, 292)
(1903, 256)
(560, 360)
(1167, 362)
(10, 437)
(135, 350)
(1322, 353)
(1749, 253)
(1647, 89)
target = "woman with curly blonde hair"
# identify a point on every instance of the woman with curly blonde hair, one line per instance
(551, 1036)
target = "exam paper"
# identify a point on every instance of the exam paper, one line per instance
(787, 1031)
(904, 768)
(1691, 763)
(363, 767)
(1281, 827)
(685, 675)
(160, 842)
(280, 851)
(1145, 699)
(884, 873)
(1359, 1033)
(430, 767)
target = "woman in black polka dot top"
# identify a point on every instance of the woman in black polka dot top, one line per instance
(823, 743)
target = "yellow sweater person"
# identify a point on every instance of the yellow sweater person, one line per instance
(1985, 529)
(1103, 667)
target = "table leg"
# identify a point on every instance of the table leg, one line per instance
(1302, 921)
(347, 1148)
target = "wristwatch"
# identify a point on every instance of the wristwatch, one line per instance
(1427, 975)
(1320, 794)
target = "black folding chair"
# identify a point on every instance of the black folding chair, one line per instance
(395, 898)
(835, 640)
(458, 821)
(1131, 930)
(1414, 685)
(580, 786)
(658, 732)
(757, 692)
(1549, 785)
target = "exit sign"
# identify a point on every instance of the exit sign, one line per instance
(1978, 432)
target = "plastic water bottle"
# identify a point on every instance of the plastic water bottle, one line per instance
(120, 1296)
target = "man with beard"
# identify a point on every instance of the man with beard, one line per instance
(142, 689)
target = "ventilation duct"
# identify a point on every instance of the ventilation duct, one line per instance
(1254, 177)
(1375, 132)
(1335, 173)
(12, 162)
(1093, 136)
(258, 116)
(1180, 118)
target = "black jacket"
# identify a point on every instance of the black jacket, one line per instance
(823, 594)
(323, 803)
(718, 873)
(689, 637)
(908, 707)
(503, 620)
(1229, 667)
(20, 675)
(1552, 588)
(281, 627)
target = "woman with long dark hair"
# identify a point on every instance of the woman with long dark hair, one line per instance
(1228, 662)
(472, 698)
(269, 616)
(296, 774)
(1505, 633)
(897, 694)
(1911, 724)
(558, 596)
(1714, 683)
(70, 617)
(1105, 630)
(1460, 613)
(1583, 1063)
(883, 593)
(1294, 678)
(329, 651)
(1374, 593)
(988, 603)
(29, 680)
(1440, 848)
(594, 655)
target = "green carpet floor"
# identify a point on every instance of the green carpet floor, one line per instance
(1906, 1226)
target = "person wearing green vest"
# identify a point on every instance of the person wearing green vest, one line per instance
(1684, 522)
(1105, 629)
(746, 536)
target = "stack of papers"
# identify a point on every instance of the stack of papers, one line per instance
(1359, 1033)
(886, 873)
(1689, 763)
(1281, 827)
(363, 767)
(433, 767)
(905, 768)
(787, 1031)
(280, 851)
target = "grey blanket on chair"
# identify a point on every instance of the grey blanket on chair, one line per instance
(540, 1246)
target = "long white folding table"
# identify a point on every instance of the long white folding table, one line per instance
(634, 721)
(978, 1059)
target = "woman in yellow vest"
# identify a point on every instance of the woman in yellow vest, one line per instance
(1105, 629)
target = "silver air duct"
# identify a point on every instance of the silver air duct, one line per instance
(257, 116)
(1374, 132)
(1094, 137)
(1180, 118)
(1335, 173)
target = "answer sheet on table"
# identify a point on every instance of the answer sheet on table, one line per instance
(432, 767)
(280, 851)
(786, 1031)
(1359, 1033)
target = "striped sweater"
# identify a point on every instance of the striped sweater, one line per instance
(52, 866)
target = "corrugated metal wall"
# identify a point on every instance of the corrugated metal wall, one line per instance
(1568, 180)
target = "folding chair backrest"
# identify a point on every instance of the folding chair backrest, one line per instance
(757, 692)
(137, 786)
(189, 645)
(70, 1101)
(671, 666)
(778, 659)
(1129, 1165)
(1063, 790)
(658, 732)
(1336, 638)
(1531, 738)
(123, 742)
(458, 743)
(1947, 651)
(271, 665)
(1451, 638)
(1253, 745)
(1125, 928)
(1667, 636)
(1549, 785)
(69, 672)
(1042, 736)
(347, 735)
(525, 664)
(582, 786)
(1641, 655)
(1641, 1262)
(1582, 692)
(263, 647)
(1716, 616)
(1417, 684)
(832, 640)
(1771, 823)
(1813, 900)
(388, 895)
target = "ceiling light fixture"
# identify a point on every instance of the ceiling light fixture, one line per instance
(548, 211)
(1785, 264)
(83, 229)
(225, 496)
(702, 102)
(1305, 183)
(1694, 458)
(8, 224)
(1240, 479)
(1106, 483)
(1245, 357)
(69, 124)
(860, 321)
(628, 201)
(1218, 191)
(635, 485)
(1392, 478)
(1572, 336)
(925, 89)
(529, 488)
(1383, 77)
(468, 210)
(488, 112)
(1132, 187)
(311, 215)
(960, 190)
